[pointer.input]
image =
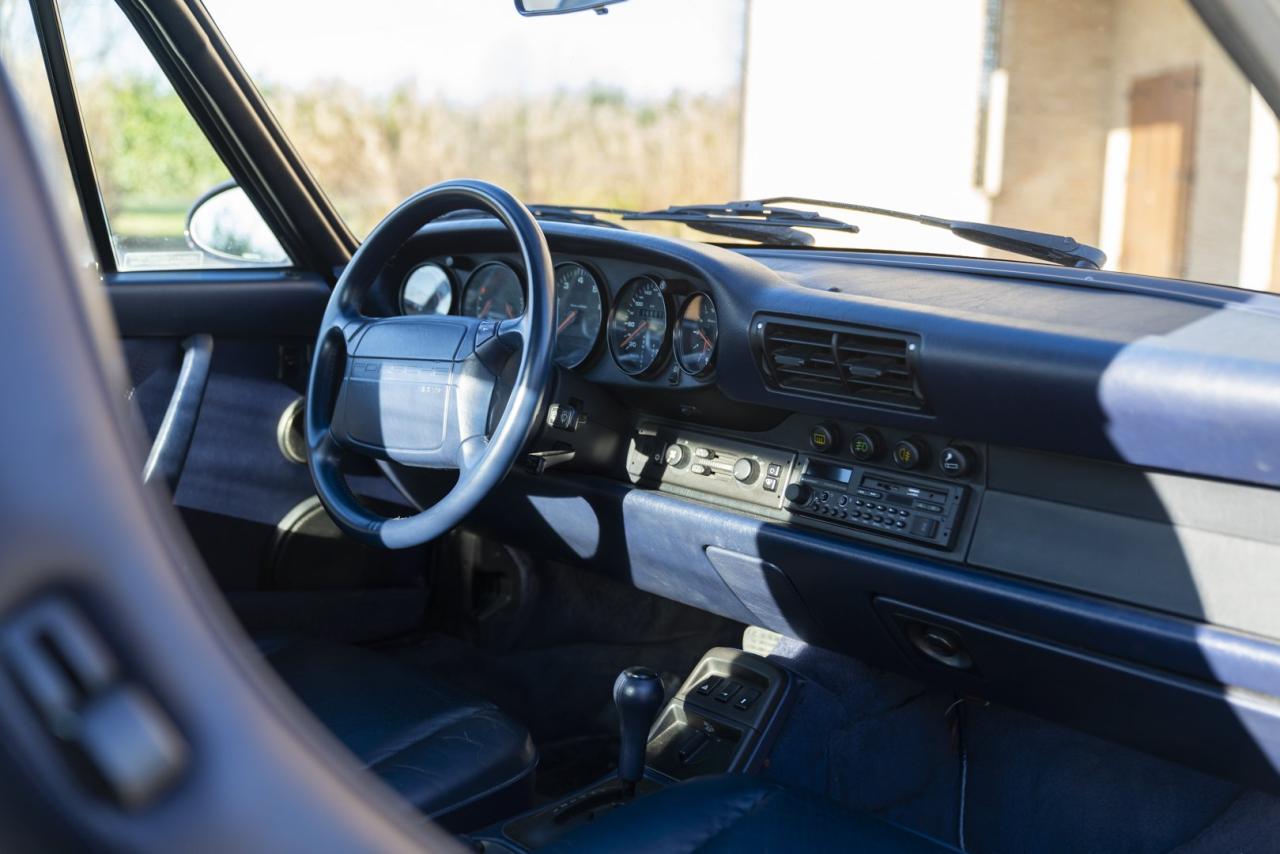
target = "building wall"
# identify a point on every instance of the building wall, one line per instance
(1154, 36)
(1059, 69)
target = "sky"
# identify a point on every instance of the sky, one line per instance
(469, 50)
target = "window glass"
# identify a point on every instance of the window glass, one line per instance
(153, 162)
(1121, 123)
(24, 64)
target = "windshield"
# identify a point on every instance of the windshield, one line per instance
(1118, 122)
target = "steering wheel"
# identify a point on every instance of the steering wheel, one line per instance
(424, 390)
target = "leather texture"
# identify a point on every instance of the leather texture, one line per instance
(739, 813)
(453, 756)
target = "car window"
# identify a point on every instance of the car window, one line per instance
(169, 200)
(24, 64)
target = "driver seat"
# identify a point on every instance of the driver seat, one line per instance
(455, 757)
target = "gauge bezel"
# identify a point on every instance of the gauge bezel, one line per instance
(675, 337)
(462, 299)
(602, 289)
(664, 349)
(449, 276)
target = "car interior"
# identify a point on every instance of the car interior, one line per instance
(569, 537)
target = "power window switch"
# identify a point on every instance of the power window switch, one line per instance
(706, 686)
(728, 691)
(746, 699)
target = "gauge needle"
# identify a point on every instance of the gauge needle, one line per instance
(484, 309)
(706, 342)
(631, 336)
(511, 312)
(567, 320)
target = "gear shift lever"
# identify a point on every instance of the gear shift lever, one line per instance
(638, 694)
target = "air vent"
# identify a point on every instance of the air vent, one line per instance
(854, 363)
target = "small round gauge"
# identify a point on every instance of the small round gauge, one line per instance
(493, 292)
(426, 290)
(696, 334)
(579, 314)
(638, 326)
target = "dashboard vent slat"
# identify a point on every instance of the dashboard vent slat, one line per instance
(856, 364)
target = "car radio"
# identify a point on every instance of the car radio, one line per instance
(878, 501)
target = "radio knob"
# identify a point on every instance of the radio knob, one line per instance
(744, 470)
(676, 455)
(798, 493)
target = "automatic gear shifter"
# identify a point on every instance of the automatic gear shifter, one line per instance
(638, 694)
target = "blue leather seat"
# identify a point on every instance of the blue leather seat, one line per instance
(455, 757)
(737, 813)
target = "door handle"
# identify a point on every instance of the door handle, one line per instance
(173, 439)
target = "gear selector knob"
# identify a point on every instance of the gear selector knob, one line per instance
(638, 694)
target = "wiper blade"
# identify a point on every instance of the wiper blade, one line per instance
(573, 213)
(1056, 248)
(557, 213)
(761, 221)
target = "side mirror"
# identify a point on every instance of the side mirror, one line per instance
(532, 8)
(225, 224)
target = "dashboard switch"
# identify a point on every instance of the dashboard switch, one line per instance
(955, 461)
(866, 445)
(823, 437)
(910, 453)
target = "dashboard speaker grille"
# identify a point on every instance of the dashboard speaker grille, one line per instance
(858, 364)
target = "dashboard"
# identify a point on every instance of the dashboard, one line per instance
(646, 323)
(1032, 483)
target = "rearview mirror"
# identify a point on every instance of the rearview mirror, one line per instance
(532, 8)
(225, 224)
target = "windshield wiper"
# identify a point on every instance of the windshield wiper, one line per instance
(556, 213)
(1055, 248)
(761, 221)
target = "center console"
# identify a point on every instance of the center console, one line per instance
(911, 490)
(721, 720)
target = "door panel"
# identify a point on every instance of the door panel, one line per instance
(249, 508)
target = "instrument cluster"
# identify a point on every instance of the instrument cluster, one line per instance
(645, 322)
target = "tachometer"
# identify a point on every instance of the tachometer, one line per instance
(493, 293)
(638, 327)
(579, 314)
(696, 334)
(426, 290)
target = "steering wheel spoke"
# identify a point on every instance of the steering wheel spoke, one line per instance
(428, 391)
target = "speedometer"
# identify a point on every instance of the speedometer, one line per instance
(638, 327)
(579, 314)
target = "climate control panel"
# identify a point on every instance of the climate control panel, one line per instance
(710, 464)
